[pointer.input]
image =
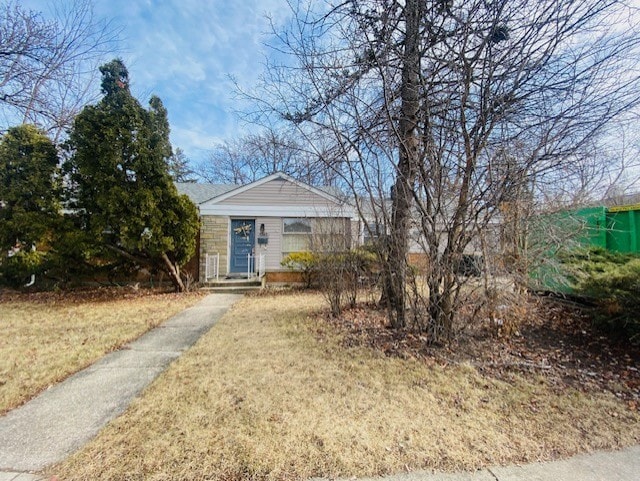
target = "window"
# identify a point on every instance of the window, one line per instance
(296, 226)
(329, 226)
(371, 232)
(329, 235)
(318, 234)
(296, 233)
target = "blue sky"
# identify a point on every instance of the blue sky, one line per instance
(184, 51)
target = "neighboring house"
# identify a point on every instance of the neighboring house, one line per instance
(249, 229)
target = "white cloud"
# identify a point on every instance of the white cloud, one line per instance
(184, 51)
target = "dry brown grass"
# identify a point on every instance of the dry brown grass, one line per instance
(46, 337)
(262, 396)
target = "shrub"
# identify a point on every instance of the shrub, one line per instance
(340, 276)
(16, 270)
(304, 262)
(612, 280)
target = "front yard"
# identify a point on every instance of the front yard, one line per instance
(45, 337)
(274, 391)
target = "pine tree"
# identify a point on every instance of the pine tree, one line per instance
(29, 205)
(121, 183)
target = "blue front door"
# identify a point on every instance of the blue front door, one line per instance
(243, 233)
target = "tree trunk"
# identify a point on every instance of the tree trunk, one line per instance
(174, 273)
(171, 269)
(442, 294)
(396, 271)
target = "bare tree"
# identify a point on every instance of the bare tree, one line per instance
(179, 167)
(606, 167)
(46, 65)
(227, 163)
(255, 156)
(453, 107)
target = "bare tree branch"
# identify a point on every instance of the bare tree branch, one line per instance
(46, 66)
(464, 108)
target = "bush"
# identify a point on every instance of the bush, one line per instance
(304, 262)
(16, 270)
(340, 275)
(612, 280)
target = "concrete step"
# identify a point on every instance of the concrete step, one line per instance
(231, 289)
(233, 285)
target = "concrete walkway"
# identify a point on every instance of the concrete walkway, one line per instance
(63, 418)
(621, 465)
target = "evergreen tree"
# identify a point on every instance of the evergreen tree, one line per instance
(121, 185)
(29, 206)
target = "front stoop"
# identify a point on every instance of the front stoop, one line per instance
(236, 286)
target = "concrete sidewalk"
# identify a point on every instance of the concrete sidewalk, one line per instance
(621, 465)
(63, 418)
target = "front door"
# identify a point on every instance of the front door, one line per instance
(243, 233)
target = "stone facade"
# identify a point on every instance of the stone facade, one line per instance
(214, 236)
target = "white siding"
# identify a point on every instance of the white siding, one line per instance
(277, 192)
(273, 250)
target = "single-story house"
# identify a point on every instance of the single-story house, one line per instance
(248, 229)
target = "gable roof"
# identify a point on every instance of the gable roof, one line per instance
(200, 193)
(238, 200)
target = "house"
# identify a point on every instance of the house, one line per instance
(247, 230)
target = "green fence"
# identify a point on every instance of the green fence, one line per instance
(623, 228)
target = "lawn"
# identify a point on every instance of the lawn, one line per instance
(272, 392)
(46, 337)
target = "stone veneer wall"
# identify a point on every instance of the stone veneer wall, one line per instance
(214, 235)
